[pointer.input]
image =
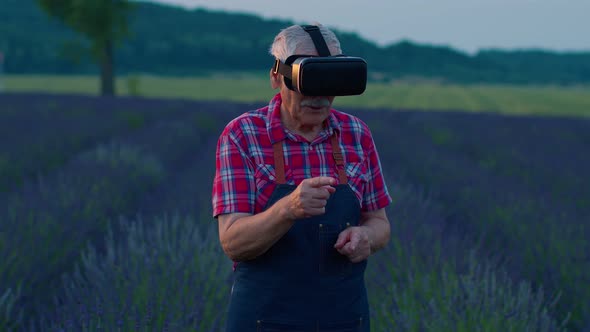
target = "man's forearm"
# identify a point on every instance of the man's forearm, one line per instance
(379, 232)
(250, 236)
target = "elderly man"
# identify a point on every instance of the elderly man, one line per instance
(299, 197)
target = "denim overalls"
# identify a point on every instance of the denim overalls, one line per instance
(303, 284)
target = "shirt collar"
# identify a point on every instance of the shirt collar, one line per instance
(278, 132)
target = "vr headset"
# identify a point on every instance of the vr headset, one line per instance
(323, 75)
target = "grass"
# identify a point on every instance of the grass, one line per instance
(506, 99)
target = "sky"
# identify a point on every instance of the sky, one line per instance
(467, 25)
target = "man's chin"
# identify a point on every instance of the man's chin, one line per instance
(314, 118)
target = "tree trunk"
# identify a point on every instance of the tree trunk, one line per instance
(107, 75)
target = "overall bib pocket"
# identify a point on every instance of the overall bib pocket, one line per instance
(331, 262)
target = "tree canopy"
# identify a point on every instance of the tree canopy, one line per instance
(174, 41)
(102, 22)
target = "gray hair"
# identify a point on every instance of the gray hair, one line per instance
(294, 38)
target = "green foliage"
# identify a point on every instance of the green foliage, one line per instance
(440, 136)
(10, 317)
(511, 182)
(173, 41)
(160, 274)
(505, 99)
(207, 123)
(442, 300)
(133, 119)
(41, 150)
(104, 23)
(424, 281)
(133, 85)
(117, 155)
(96, 184)
(100, 21)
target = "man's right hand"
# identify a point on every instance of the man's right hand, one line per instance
(309, 198)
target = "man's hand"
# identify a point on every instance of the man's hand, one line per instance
(310, 197)
(354, 243)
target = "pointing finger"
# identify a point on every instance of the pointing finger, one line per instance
(319, 203)
(321, 181)
(321, 193)
(330, 189)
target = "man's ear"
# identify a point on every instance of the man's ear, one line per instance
(275, 80)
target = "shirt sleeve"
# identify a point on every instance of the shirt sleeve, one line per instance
(376, 195)
(233, 184)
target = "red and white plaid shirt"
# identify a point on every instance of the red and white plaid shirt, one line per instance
(244, 177)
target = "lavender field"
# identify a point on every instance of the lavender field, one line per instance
(105, 218)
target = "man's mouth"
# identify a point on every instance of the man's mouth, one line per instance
(315, 104)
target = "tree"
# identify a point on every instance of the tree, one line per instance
(103, 22)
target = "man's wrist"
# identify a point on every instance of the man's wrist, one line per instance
(369, 231)
(283, 210)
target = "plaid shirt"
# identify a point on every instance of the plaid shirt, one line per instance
(244, 177)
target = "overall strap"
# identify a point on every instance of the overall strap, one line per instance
(338, 158)
(279, 160)
(277, 148)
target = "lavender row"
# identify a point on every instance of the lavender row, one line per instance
(168, 276)
(171, 276)
(440, 299)
(54, 220)
(58, 215)
(542, 235)
(479, 204)
(431, 278)
(513, 223)
(456, 235)
(188, 191)
(10, 317)
(39, 133)
(544, 154)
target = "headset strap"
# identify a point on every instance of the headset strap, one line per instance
(318, 39)
(282, 68)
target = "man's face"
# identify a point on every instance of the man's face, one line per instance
(303, 110)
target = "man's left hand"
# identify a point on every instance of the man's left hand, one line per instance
(354, 243)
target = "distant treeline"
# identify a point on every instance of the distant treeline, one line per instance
(173, 41)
